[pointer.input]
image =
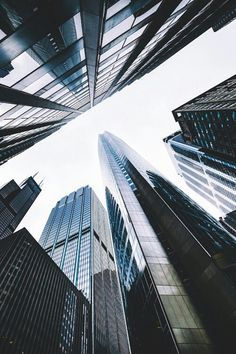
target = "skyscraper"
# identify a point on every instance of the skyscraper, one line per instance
(209, 120)
(204, 152)
(208, 174)
(41, 310)
(176, 263)
(15, 201)
(58, 61)
(78, 239)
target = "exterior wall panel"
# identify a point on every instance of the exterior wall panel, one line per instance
(41, 310)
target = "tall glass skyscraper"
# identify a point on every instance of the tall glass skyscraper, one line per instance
(15, 201)
(208, 174)
(57, 61)
(204, 152)
(78, 239)
(41, 311)
(176, 263)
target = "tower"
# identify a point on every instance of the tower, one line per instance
(168, 250)
(204, 151)
(208, 120)
(78, 239)
(15, 201)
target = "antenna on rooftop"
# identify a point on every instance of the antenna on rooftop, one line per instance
(35, 174)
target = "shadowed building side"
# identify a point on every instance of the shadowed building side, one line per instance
(15, 201)
(209, 120)
(229, 222)
(41, 310)
(172, 256)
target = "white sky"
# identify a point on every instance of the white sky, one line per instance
(140, 115)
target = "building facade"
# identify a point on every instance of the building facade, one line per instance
(78, 239)
(209, 175)
(15, 201)
(175, 261)
(229, 222)
(204, 152)
(226, 17)
(41, 310)
(58, 61)
(209, 120)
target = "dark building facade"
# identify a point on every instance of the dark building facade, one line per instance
(41, 310)
(227, 16)
(209, 175)
(58, 61)
(15, 201)
(176, 263)
(209, 120)
(78, 239)
(229, 222)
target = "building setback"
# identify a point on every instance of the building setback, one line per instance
(209, 175)
(41, 310)
(176, 263)
(15, 201)
(58, 61)
(78, 239)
